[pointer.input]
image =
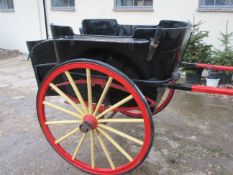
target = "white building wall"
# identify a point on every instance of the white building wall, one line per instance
(24, 24)
(163, 9)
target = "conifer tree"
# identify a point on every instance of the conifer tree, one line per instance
(197, 50)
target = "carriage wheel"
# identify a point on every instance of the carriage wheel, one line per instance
(166, 98)
(82, 134)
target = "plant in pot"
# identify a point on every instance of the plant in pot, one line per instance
(197, 51)
(224, 56)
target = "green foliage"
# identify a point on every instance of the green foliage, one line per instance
(197, 50)
(224, 56)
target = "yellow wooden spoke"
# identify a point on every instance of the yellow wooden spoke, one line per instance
(126, 120)
(125, 100)
(62, 109)
(122, 134)
(62, 122)
(103, 95)
(76, 90)
(79, 146)
(67, 135)
(110, 139)
(92, 149)
(62, 94)
(105, 151)
(89, 90)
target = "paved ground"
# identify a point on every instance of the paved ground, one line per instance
(193, 135)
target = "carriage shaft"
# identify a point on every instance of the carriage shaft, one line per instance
(202, 89)
(207, 66)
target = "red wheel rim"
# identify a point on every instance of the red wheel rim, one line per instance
(148, 125)
(161, 106)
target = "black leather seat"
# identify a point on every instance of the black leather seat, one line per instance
(61, 31)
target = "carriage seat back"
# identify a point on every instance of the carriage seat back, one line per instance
(100, 27)
(60, 31)
(112, 28)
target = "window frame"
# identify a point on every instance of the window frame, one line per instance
(209, 8)
(133, 8)
(62, 8)
(8, 9)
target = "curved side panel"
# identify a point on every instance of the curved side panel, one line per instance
(172, 42)
(123, 56)
(129, 59)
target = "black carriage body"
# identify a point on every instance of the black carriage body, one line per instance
(141, 52)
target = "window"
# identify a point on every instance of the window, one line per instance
(6, 5)
(133, 4)
(216, 4)
(63, 4)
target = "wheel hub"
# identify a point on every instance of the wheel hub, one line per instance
(89, 123)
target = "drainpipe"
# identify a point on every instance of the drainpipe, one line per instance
(39, 17)
(45, 19)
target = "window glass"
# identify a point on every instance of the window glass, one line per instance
(216, 3)
(148, 3)
(63, 3)
(207, 2)
(6, 5)
(133, 3)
